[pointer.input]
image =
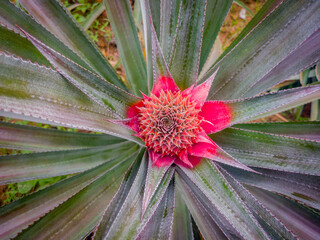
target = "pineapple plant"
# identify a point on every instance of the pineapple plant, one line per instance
(169, 152)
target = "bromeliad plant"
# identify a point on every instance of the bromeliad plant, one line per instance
(175, 158)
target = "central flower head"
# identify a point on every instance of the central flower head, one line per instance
(174, 124)
(169, 123)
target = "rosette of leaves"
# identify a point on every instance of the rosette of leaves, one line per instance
(261, 181)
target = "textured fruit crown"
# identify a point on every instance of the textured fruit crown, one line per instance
(169, 123)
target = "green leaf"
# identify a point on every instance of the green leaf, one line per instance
(121, 219)
(73, 6)
(137, 15)
(153, 182)
(26, 187)
(185, 59)
(13, 17)
(265, 105)
(13, 43)
(315, 112)
(160, 224)
(272, 226)
(214, 54)
(155, 12)
(304, 77)
(318, 71)
(270, 151)
(302, 130)
(94, 14)
(160, 67)
(255, 59)
(147, 42)
(76, 217)
(15, 136)
(216, 12)
(229, 211)
(169, 12)
(306, 226)
(23, 212)
(36, 93)
(22, 167)
(242, 4)
(182, 227)
(124, 28)
(104, 93)
(302, 188)
(315, 105)
(53, 16)
(204, 221)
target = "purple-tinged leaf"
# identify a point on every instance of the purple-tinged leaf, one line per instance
(152, 183)
(303, 188)
(185, 58)
(23, 212)
(265, 105)
(14, 44)
(223, 157)
(169, 12)
(157, 197)
(12, 16)
(303, 221)
(76, 217)
(118, 200)
(104, 93)
(122, 217)
(182, 227)
(40, 94)
(199, 211)
(216, 13)
(228, 210)
(124, 28)
(262, 49)
(16, 136)
(23, 167)
(302, 130)
(305, 56)
(271, 151)
(160, 224)
(266, 9)
(273, 227)
(55, 18)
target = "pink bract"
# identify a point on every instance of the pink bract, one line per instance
(174, 124)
